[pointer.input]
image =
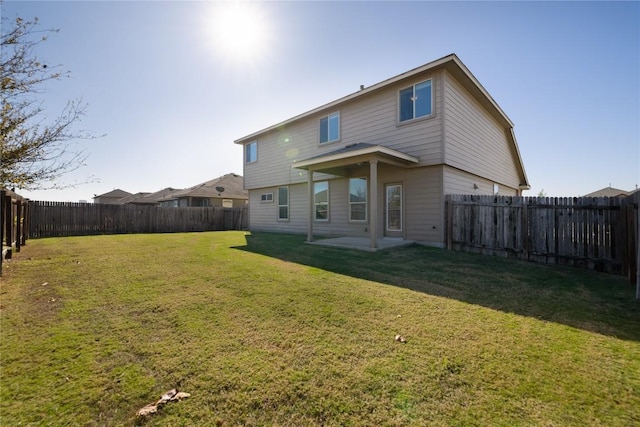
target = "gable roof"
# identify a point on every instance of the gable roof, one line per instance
(115, 194)
(609, 192)
(133, 198)
(232, 186)
(153, 198)
(456, 68)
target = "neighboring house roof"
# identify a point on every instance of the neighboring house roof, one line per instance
(456, 68)
(114, 194)
(229, 186)
(153, 198)
(609, 192)
(132, 198)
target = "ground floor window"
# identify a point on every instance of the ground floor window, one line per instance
(200, 202)
(321, 200)
(283, 203)
(358, 199)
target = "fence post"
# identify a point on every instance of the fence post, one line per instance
(2, 219)
(637, 226)
(525, 228)
(18, 224)
(8, 223)
(634, 230)
(449, 215)
(26, 212)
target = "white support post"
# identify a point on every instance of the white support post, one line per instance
(373, 204)
(311, 206)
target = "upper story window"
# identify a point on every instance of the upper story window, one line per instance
(416, 101)
(330, 128)
(251, 152)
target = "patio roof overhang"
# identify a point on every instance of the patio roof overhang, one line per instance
(337, 162)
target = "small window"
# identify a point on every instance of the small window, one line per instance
(321, 200)
(251, 152)
(200, 202)
(283, 203)
(358, 199)
(330, 128)
(266, 198)
(416, 101)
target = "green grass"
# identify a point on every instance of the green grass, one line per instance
(264, 329)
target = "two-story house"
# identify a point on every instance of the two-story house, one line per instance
(379, 162)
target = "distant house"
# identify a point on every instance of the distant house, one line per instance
(132, 199)
(378, 163)
(152, 199)
(609, 192)
(112, 197)
(226, 191)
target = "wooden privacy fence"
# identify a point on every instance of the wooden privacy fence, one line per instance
(14, 212)
(594, 233)
(57, 219)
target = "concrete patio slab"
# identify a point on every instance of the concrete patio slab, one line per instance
(362, 243)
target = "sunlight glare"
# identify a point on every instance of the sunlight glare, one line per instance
(239, 31)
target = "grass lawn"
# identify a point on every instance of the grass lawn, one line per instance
(265, 330)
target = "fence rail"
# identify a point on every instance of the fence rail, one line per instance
(57, 219)
(594, 233)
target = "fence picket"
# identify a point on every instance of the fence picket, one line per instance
(54, 219)
(591, 233)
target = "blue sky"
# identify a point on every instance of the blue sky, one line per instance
(171, 100)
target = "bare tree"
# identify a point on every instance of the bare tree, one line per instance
(35, 152)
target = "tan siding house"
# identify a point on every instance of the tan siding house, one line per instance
(378, 163)
(226, 191)
(112, 197)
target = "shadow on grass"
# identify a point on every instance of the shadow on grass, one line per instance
(587, 300)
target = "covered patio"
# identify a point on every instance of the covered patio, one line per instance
(341, 163)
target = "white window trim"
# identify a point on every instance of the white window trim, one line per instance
(246, 159)
(386, 207)
(281, 205)
(266, 198)
(315, 218)
(366, 202)
(330, 141)
(414, 118)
